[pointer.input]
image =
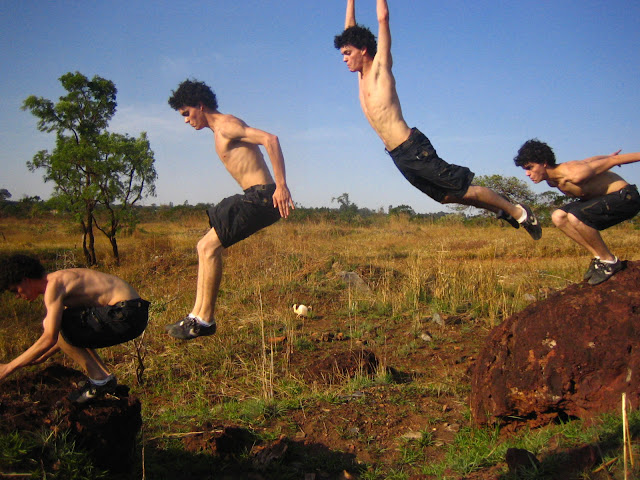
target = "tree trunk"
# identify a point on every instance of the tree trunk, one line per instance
(89, 250)
(92, 241)
(85, 250)
(114, 247)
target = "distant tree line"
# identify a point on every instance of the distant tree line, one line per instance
(346, 212)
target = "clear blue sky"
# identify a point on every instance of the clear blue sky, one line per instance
(478, 78)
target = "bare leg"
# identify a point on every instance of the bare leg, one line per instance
(586, 236)
(87, 358)
(487, 199)
(200, 281)
(210, 252)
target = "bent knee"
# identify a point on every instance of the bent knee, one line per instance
(472, 196)
(209, 246)
(559, 217)
(453, 199)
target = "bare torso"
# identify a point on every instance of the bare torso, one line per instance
(381, 105)
(243, 160)
(85, 287)
(597, 186)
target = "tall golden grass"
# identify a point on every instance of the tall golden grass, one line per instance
(413, 270)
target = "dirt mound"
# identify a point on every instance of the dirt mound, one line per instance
(337, 366)
(106, 428)
(572, 354)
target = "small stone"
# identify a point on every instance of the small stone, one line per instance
(426, 337)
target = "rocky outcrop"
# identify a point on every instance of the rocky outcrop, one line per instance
(572, 354)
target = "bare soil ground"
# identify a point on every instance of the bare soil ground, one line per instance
(331, 439)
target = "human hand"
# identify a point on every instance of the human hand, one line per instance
(282, 200)
(4, 371)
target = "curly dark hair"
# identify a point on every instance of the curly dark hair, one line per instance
(15, 268)
(359, 37)
(192, 93)
(535, 151)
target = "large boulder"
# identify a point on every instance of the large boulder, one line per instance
(572, 354)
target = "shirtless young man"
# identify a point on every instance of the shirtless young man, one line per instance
(86, 309)
(410, 150)
(239, 216)
(605, 199)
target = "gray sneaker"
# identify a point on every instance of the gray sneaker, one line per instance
(604, 271)
(189, 328)
(531, 224)
(89, 391)
(592, 268)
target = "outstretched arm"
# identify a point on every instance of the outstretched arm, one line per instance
(583, 170)
(384, 33)
(47, 342)
(52, 351)
(350, 20)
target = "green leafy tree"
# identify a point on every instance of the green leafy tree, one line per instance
(126, 176)
(401, 209)
(517, 191)
(77, 119)
(4, 194)
(344, 202)
(511, 187)
(347, 210)
(89, 166)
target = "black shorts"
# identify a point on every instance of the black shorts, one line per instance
(604, 212)
(97, 327)
(418, 161)
(239, 216)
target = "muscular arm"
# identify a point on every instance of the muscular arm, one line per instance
(52, 351)
(45, 346)
(238, 131)
(582, 170)
(383, 57)
(350, 19)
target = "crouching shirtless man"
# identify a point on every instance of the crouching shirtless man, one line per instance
(235, 218)
(604, 199)
(86, 309)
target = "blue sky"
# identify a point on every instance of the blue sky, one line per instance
(478, 78)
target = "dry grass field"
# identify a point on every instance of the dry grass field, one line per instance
(429, 294)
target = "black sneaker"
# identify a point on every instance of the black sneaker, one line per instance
(89, 391)
(175, 324)
(592, 267)
(189, 328)
(502, 215)
(531, 224)
(604, 271)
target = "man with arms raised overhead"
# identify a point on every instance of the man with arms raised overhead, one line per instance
(410, 150)
(86, 309)
(239, 216)
(604, 199)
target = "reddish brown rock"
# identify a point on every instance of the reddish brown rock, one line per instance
(572, 354)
